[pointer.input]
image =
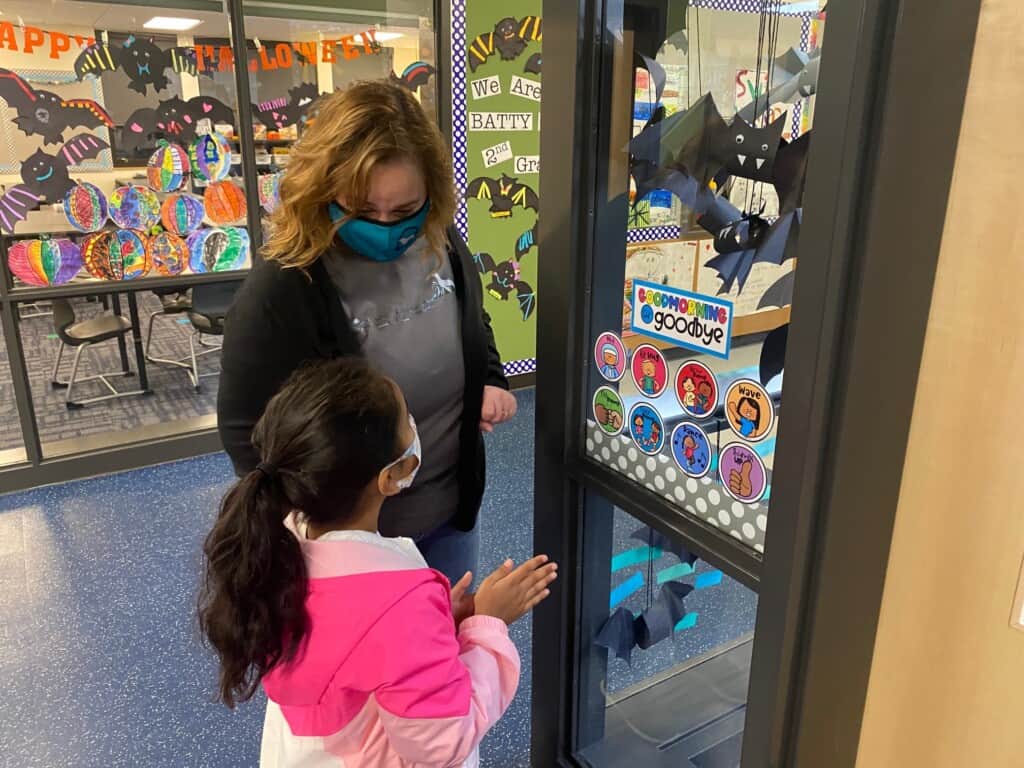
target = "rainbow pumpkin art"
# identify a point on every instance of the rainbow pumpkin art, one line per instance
(211, 156)
(181, 213)
(225, 203)
(85, 207)
(116, 255)
(134, 207)
(96, 256)
(168, 167)
(218, 250)
(167, 254)
(44, 262)
(269, 189)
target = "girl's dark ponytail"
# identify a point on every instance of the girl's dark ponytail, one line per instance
(251, 609)
(322, 439)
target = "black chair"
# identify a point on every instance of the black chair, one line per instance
(210, 305)
(81, 335)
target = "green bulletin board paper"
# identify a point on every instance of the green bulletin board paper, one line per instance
(515, 336)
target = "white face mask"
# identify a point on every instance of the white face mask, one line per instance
(414, 449)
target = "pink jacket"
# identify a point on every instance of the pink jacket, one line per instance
(384, 679)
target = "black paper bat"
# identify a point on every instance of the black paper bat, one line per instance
(15, 204)
(526, 241)
(45, 113)
(47, 175)
(415, 76)
(504, 280)
(174, 120)
(773, 354)
(621, 631)
(780, 294)
(508, 40)
(141, 60)
(275, 115)
(533, 64)
(505, 194)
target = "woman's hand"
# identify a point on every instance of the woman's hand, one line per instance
(508, 594)
(463, 603)
(499, 406)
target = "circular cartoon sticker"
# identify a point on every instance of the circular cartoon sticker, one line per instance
(696, 389)
(610, 356)
(609, 412)
(647, 428)
(691, 449)
(650, 371)
(742, 473)
(749, 410)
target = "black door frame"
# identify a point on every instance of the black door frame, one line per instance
(888, 110)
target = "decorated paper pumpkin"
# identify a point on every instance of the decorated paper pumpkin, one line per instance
(128, 255)
(181, 213)
(134, 207)
(85, 207)
(45, 261)
(168, 167)
(218, 250)
(167, 254)
(211, 156)
(96, 256)
(225, 202)
(269, 189)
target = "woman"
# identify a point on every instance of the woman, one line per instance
(362, 260)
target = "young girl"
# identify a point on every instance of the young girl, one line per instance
(367, 657)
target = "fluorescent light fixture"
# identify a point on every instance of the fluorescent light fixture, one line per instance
(171, 23)
(380, 37)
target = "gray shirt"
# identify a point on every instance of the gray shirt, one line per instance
(406, 315)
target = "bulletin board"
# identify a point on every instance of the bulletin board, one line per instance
(496, 91)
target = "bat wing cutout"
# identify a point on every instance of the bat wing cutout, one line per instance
(533, 64)
(15, 205)
(526, 241)
(780, 294)
(659, 540)
(773, 354)
(527, 299)
(617, 634)
(97, 58)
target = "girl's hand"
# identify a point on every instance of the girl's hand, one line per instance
(463, 603)
(499, 406)
(507, 594)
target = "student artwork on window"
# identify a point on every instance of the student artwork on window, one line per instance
(85, 207)
(181, 213)
(45, 261)
(225, 202)
(174, 119)
(508, 40)
(218, 250)
(115, 255)
(47, 176)
(144, 62)
(210, 157)
(279, 113)
(134, 207)
(167, 253)
(168, 167)
(46, 114)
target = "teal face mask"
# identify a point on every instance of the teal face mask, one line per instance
(377, 241)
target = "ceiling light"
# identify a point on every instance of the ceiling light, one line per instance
(171, 23)
(380, 37)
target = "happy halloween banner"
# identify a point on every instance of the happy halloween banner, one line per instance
(92, 57)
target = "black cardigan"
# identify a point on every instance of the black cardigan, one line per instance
(281, 318)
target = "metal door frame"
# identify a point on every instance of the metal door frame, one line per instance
(888, 110)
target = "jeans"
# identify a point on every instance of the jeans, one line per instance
(451, 551)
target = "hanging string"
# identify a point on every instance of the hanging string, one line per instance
(700, 75)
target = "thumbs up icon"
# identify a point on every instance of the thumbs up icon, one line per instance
(739, 482)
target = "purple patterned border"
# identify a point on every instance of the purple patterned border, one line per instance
(519, 367)
(650, 234)
(459, 137)
(747, 6)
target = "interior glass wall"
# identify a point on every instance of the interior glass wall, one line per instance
(125, 216)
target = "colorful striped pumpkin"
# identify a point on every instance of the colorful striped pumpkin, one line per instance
(134, 207)
(168, 167)
(44, 262)
(167, 253)
(181, 213)
(85, 207)
(225, 203)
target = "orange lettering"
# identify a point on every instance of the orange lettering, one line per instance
(283, 54)
(33, 38)
(328, 51)
(266, 63)
(225, 58)
(308, 50)
(7, 39)
(59, 42)
(370, 44)
(347, 47)
(204, 52)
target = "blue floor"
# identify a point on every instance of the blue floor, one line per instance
(100, 660)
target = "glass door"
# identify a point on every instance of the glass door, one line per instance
(671, 236)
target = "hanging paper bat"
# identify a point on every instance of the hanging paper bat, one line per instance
(278, 113)
(533, 64)
(657, 540)
(415, 76)
(45, 113)
(15, 204)
(773, 354)
(794, 76)
(526, 241)
(505, 194)
(504, 280)
(47, 175)
(174, 120)
(622, 632)
(141, 60)
(508, 40)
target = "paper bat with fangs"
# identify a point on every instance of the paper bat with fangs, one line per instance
(45, 178)
(141, 60)
(47, 114)
(174, 120)
(505, 278)
(276, 116)
(505, 194)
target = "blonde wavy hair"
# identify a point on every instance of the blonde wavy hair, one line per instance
(353, 131)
